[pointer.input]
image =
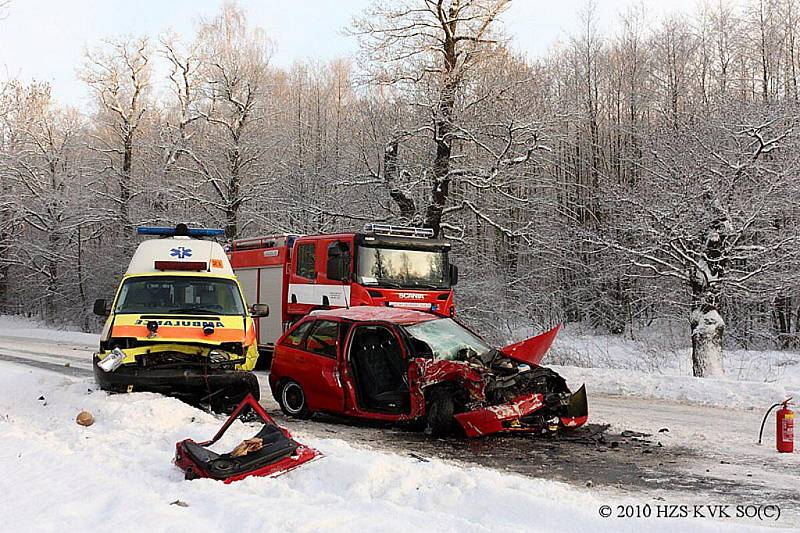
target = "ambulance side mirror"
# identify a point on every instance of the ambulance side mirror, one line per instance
(453, 275)
(259, 310)
(101, 307)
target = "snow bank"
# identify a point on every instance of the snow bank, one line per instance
(117, 474)
(662, 369)
(726, 393)
(16, 326)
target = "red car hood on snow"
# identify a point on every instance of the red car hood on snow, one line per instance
(531, 350)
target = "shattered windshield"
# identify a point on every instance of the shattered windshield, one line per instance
(180, 294)
(448, 340)
(390, 267)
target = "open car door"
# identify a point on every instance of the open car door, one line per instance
(274, 453)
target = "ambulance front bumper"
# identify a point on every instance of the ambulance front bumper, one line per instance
(219, 389)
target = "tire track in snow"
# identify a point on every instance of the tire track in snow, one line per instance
(75, 371)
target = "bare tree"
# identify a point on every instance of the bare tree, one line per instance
(710, 213)
(119, 76)
(236, 82)
(427, 49)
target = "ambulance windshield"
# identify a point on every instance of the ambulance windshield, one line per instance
(406, 269)
(180, 295)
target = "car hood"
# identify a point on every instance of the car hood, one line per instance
(532, 350)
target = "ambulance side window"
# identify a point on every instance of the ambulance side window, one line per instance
(306, 261)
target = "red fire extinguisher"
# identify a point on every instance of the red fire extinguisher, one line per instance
(784, 430)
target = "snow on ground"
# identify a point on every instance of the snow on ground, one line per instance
(662, 369)
(118, 475)
(28, 328)
(725, 393)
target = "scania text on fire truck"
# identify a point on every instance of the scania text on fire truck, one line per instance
(178, 324)
(394, 266)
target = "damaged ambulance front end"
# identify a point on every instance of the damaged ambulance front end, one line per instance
(179, 327)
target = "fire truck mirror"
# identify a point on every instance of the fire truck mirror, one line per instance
(259, 310)
(338, 264)
(453, 275)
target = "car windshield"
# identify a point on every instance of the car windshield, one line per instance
(180, 294)
(390, 267)
(448, 340)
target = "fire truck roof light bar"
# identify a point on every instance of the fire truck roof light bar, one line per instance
(399, 231)
(179, 230)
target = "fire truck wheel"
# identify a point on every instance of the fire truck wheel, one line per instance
(292, 400)
(440, 413)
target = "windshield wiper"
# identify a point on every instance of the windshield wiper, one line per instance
(387, 283)
(428, 286)
(198, 310)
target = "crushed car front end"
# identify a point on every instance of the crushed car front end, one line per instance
(492, 390)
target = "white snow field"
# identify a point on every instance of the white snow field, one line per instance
(118, 474)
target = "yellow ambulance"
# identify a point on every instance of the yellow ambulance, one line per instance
(178, 324)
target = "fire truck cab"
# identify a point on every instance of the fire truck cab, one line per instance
(394, 266)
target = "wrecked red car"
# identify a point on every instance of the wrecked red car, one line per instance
(401, 365)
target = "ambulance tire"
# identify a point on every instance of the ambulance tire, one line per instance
(292, 399)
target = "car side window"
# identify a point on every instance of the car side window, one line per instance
(306, 260)
(295, 338)
(322, 339)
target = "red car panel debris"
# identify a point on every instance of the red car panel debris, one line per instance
(498, 418)
(532, 350)
(278, 454)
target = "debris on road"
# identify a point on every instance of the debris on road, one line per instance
(85, 418)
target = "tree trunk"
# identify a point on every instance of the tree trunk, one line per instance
(707, 328)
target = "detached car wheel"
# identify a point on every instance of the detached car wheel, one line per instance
(440, 413)
(292, 399)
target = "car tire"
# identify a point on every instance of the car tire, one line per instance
(441, 408)
(292, 399)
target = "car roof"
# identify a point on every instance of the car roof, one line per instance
(367, 313)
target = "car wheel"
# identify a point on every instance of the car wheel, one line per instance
(440, 413)
(292, 400)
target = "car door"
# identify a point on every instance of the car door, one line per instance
(317, 355)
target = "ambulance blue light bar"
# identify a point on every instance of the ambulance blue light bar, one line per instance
(179, 230)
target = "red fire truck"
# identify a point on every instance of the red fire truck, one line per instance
(393, 266)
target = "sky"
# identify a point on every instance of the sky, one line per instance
(45, 39)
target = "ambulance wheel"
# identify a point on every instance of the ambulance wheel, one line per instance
(292, 399)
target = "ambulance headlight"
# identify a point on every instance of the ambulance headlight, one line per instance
(112, 361)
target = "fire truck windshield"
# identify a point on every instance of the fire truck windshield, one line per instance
(391, 267)
(180, 294)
